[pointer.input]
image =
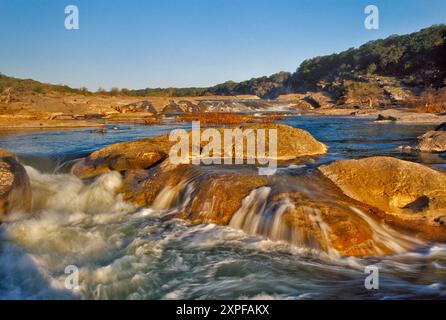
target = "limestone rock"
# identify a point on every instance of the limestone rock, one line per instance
(123, 156)
(140, 107)
(142, 154)
(15, 189)
(412, 196)
(291, 142)
(432, 141)
(202, 194)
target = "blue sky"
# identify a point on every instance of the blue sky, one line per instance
(138, 44)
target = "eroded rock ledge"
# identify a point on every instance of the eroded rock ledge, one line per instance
(433, 141)
(410, 195)
(342, 208)
(308, 211)
(15, 189)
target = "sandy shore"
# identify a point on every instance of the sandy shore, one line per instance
(400, 115)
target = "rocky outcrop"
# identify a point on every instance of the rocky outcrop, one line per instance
(432, 141)
(140, 154)
(319, 100)
(143, 154)
(309, 100)
(318, 215)
(396, 94)
(291, 142)
(142, 106)
(15, 189)
(363, 94)
(410, 195)
(172, 107)
(308, 211)
(201, 194)
(188, 106)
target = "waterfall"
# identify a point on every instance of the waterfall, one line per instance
(173, 199)
(165, 198)
(392, 239)
(250, 214)
(305, 226)
(257, 216)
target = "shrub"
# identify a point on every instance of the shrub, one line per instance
(430, 101)
(227, 118)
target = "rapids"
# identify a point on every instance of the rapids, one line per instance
(145, 253)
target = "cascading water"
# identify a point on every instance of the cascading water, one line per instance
(257, 216)
(249, 216)
(123, 252)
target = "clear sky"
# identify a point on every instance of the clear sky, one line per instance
(138, 44)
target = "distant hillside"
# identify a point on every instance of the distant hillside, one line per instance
(418, 58)
(261, 87)
(29, 85)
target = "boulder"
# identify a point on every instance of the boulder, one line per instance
(142, 154)
(432, 141)
(123, 156)
(291, 142)
(15, 189)
(410, 195)
(363, 94)
(382, 118)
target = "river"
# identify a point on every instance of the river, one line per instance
(123, 252)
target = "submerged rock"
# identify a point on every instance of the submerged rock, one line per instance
(411, 196)
(15, 189)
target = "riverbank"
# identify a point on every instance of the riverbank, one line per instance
(264, 111)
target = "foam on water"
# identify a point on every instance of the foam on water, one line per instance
(130, 253)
